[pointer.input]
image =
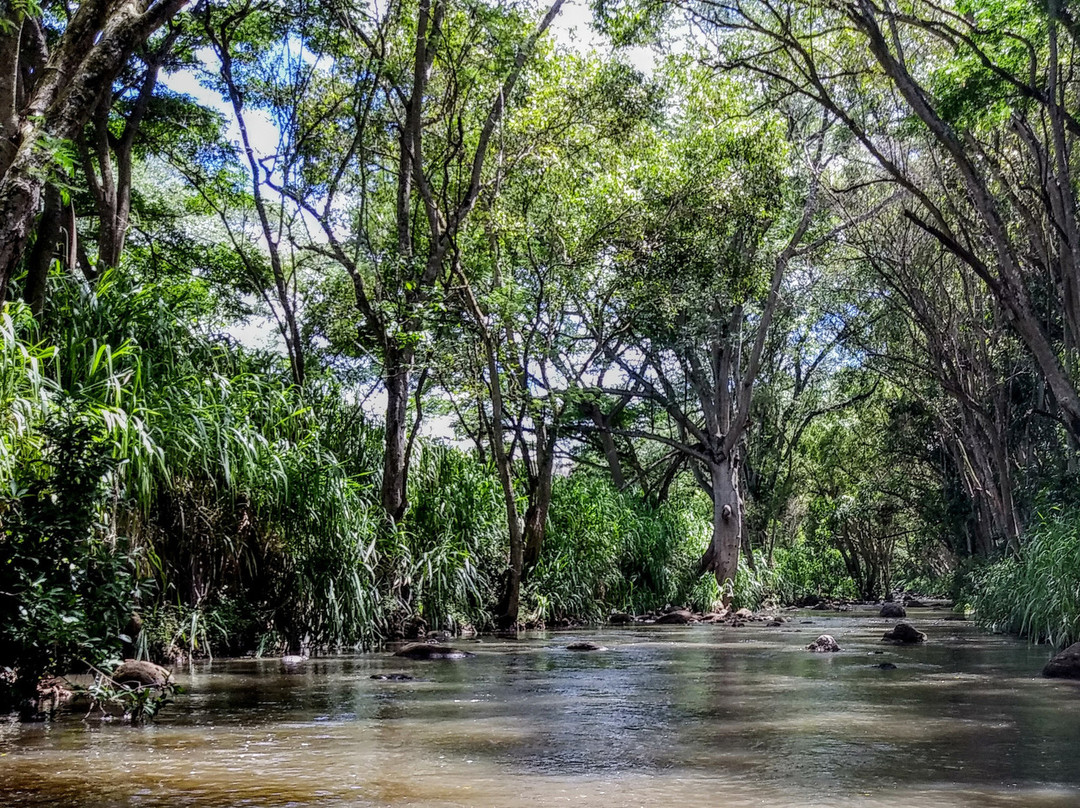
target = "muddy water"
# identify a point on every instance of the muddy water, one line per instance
(669, 716)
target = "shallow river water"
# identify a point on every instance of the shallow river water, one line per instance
(669, 716)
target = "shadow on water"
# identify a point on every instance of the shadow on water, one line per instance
(669, 715)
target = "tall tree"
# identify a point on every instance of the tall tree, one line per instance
(408, 149)
(705, 269)
(968, 109)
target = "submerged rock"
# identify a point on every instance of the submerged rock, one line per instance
(892, 610)
(885, 666)
(1065, 665)
(139, 673)
(903, 634)
(585, 646)
(423, 650)
(823, 644)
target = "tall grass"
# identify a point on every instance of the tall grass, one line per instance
(222, 478)
(449, 556)
(1037, 594)
(25, 390)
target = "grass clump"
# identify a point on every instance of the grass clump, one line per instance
(1036, 594)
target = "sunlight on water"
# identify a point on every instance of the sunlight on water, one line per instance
(695, 715)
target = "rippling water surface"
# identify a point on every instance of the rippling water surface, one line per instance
(669, 716)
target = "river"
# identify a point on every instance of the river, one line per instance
(701, 715)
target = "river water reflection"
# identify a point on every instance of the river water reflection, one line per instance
(670, 715)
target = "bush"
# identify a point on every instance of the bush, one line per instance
(66, 589)
(607, 550)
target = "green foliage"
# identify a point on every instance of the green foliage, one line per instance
(607, 550)
(449, 555)
(66, 588)
(1036, 594)
(137, 703)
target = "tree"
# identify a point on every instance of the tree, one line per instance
(52, 81)
(967, 109)
(525, 271)
(702, 278)
(391, 162)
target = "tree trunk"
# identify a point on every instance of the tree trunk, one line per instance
(727, 523)
(539, 498)
(44, 250)
(394, 480)
(20, 196)
(607, 443)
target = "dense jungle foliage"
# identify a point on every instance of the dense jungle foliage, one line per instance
(329, 322)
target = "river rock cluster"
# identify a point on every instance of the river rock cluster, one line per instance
(682, 616)
(431, 650)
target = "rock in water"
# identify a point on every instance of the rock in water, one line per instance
(744, 614)
(392, 677)
(585, 646)
(139, 673)
(423, 650)
(1065, 665)
(903, 634)
(892, 610)
(620, 619)
(293, 659)
(885, 666)
(823, 644)
(677, 617)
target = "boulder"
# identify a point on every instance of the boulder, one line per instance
(1065, 665)
(620, 619)
(677, 617)
(903, 634)
(744, 614)
(892, 610)
(423, 650)
(140, 673)
(585, 646)
(823, 644)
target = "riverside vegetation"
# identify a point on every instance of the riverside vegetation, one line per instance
(792, 312)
